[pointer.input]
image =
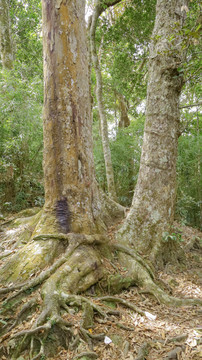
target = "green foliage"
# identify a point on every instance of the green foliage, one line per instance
(188, 206)
(20, 141)
(21, 97)
(125, 152)
(124, 34)
(192, 43)
(26, 23)
(177, 237)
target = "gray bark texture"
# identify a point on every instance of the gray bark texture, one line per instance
(152, 210)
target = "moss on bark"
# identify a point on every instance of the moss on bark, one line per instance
(59, 268)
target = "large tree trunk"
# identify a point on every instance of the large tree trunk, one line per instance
(68, 159)
(73, 202)
(5, 36)
(152, 210)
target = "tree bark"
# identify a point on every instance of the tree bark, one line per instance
(68, 155)
(123, 106)
(73, 202)
(199, 169)
(152, 210)
(6, 49)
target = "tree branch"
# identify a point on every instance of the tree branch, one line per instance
(191, 105)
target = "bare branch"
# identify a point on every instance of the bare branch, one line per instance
(191, 105)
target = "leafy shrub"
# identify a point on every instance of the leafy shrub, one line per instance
(188, 205)
(20, 141)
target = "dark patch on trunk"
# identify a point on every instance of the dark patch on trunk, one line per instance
(79, 125)
(63, 215)
(49, 9)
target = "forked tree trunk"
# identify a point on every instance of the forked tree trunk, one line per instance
(152, 210)
(5, 36)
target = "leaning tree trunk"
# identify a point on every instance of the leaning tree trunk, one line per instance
(152, 211)
(98, 10)
(5, 36)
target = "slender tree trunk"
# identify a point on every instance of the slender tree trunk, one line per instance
(99, 8)
(123, 106)
(199, 171)
(152, 210)
(5, 36)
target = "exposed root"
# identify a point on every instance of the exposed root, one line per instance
(78, 300)
(178, 338)
(99, 337)
(25, 308)
(75, 241)
(88, 354)
(143, 351)
(41, 353)
(141, 273)
(33, 331)
(75, 238)
(39, 279)
(123, 302)
(11, 288)
(175, 353)
(135, 256)
(124, 327)
(79, 267)
(174, 339)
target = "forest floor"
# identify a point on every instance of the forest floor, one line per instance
(165, 333)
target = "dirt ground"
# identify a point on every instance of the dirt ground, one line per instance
(164, 333)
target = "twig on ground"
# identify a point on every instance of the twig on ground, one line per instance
(6, 253)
